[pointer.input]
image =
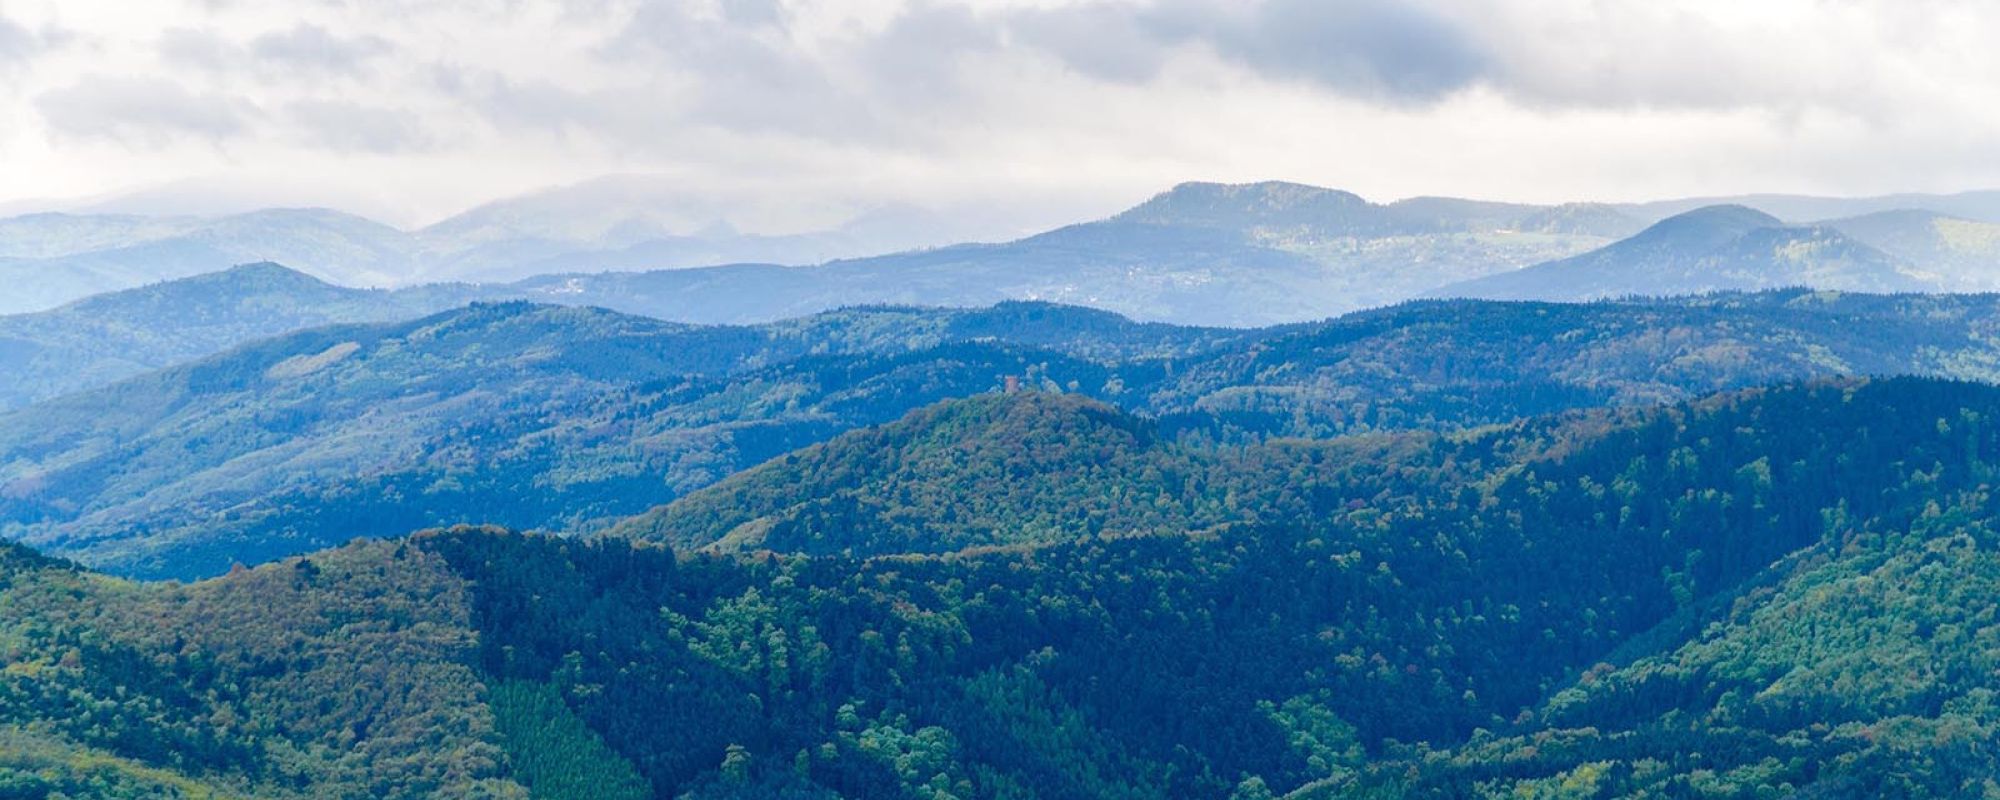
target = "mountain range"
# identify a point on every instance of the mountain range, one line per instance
(1772, 592)
(613, 223)
(1210, 254)
(565, 418)
(1688, 499)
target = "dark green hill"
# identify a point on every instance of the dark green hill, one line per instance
(1760, 594)
(1369, 601)
(1864, 669)
(1002, 469)
(1448, 364)
(344, 676)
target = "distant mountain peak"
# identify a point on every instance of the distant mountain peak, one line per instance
(259, 276)
(1712, 248)
(1276, 190)
(1722, 223)
(261, 269)
(1239, 205)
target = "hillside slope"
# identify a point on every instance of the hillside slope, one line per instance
(106, 338)
(48, 260)
(1769, 592)
(1197, 254)
(340, 677)
(1205, 254)
(1962, 254)
(532, 416)
(1025, 468)
(554, 418)
(1717, 248)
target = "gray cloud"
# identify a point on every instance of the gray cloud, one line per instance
(1100, 41)
(198, 49)
(143, 111)
(744, 72)
(1597, 55)
(20, 45)
(753, 12)
(1116, 97)
(353, 128)
(1391, 50)
(16, 43)
(1374, 48)
(312, 48)
(629, 119)
(917, 59)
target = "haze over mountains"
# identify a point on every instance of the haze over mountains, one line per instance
(1714, 248)
(1208, 254)
(612, 223)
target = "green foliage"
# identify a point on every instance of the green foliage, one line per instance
(1362, 598)
(1864, 671)
(553, 752)
(533, 417)
(1784, 591)
(38, 767)
(1030, 468)
(554, 419)
(338, 677)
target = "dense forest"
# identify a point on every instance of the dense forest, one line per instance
(568, 420)
(1769, 593)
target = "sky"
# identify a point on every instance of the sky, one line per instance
(783, 115)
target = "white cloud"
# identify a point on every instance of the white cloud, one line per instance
(16, 43)
(309, 48)
(1062, 106)
(344, 127)
(141, 111)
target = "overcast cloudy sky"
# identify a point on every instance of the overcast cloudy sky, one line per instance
(792, 113)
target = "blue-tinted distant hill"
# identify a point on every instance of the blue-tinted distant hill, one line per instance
(113, 336)
(110, 337)
(1267, 253)
(1709, 249)
(1957, 253)
(1978, 205)
(47, 260)
(1200, 253)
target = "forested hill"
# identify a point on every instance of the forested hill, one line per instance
(1766, 593)
(1445, 364)
(554, 418)
(999, 469)
(106, 338)
(532, 416)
